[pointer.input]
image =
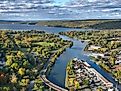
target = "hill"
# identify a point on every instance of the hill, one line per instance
(95, 24)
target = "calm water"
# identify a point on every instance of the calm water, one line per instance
(57, 75)
(34, 27)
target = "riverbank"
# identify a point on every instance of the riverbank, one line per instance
(54, 57)
(67, 71)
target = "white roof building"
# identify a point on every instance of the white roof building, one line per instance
(92, 47)
(96, 55)
(118, 61)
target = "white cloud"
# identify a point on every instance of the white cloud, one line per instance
(22, 4)
(48, 9)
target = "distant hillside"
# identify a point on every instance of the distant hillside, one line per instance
(107, 25)
(95, 24)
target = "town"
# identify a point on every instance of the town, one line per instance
(81, 76)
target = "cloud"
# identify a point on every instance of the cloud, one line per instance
(22, 4)
(91, 6)
(49, 9)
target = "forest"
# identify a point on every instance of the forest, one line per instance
(23, 55)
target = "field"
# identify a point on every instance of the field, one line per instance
(44, 44)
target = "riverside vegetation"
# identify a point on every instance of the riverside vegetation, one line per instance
(23, 54)
(106, 48)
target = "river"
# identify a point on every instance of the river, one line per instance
(58, 72)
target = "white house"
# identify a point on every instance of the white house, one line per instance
(118, 61)
(92, 47)
(96, 55)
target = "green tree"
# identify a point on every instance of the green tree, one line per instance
(14, 78)
(38, 85)
(15, 66)
(21, 71)
(9, 62)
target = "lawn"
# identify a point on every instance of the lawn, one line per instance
(44, 43)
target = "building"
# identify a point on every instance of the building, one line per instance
(96, 55)
(88, 72)
(118, 61)
(93, 47)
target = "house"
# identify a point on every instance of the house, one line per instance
(93, 47)
(75, 59)
(79, 71)
(117, 67)
(118, 61)
(96, 55)
(110, 89)
(119, 53)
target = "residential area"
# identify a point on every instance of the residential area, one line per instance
(81, 76)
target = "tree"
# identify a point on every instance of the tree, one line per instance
(26, 63)
(76, 84)
(3, 78)
(85, 81)
(24, 82)
(112, 60)
(14, 79)
(9, 62)
(15, 66)
(21, 71)
(20, 54)
(38, 85)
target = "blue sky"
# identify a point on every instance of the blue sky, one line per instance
(61, 1)
(59, 9)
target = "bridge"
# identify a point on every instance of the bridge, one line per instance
(51, 85)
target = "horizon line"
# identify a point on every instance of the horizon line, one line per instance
(55, 20)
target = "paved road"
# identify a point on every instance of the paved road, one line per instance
(51, 85)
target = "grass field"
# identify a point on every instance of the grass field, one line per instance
(44, 44)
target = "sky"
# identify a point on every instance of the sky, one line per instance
(59, 9)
